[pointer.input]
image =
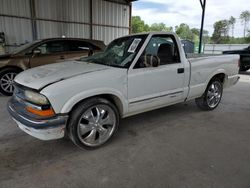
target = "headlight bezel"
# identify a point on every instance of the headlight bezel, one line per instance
(38, 104)
(36, 98)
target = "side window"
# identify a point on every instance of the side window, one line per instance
(75, 46)
(52, 47)
(161, 50)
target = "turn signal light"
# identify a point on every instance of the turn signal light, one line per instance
(43, 113)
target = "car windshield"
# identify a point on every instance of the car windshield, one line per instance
(119, 53)
(24, 46)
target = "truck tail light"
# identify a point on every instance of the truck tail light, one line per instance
(44, 113)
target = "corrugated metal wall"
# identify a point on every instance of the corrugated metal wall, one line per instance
(71, 18)
(17, 29)
(15, 7)
(107, 13)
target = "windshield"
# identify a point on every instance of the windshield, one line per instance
(23, 47)
(119, 53)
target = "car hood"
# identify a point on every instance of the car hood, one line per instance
(40, 77)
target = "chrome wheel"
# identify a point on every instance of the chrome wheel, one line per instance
(7, 81)
(96, 125)
(214, 94)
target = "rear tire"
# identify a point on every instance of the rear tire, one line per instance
(212, 96)
(92, 123)
(7, 77)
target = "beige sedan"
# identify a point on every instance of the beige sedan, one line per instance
(43, 52)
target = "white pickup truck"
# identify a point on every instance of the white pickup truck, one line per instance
(85, 99)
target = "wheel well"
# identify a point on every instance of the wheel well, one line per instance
(220, 76)
(11, 67)
(112, 98)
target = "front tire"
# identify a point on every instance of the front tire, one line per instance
(7, 77)
(92, 123)
(212, 96)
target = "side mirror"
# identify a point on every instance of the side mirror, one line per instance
(37, 52)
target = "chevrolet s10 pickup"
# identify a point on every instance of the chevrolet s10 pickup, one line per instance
(85, 99)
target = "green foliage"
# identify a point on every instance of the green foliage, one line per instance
(184, 32)
(245, 18)
(138, 25)
(248, 37)
(196, 31)
(220, 34)
(160, 27)
(231, 23)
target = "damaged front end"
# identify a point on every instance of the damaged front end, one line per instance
(34, 115)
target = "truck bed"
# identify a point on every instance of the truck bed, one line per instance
(193, 56)
(204, 67)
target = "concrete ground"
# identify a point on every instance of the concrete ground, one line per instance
(177, 146)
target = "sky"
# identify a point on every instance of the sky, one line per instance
(174, 12)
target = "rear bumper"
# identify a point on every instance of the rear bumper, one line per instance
(231, 80)
(43, 129)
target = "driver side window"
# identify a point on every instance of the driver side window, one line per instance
(161, 50)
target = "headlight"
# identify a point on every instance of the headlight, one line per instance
(36, 98)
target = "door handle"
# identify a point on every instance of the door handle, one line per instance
(62, 57)
(180, 70)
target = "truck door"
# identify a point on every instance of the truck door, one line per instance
(151, 85)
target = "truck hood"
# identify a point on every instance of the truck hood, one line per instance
(39, 77)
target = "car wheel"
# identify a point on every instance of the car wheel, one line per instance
(212, 96)
(92, 123)
(7, 79)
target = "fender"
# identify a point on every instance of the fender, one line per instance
(219, 71)
(67, 107)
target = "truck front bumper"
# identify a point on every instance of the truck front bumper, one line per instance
(43, 129)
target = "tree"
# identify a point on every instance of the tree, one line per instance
(245, 18)
(160, 27)
(232, 22)
(138, 25)
(195, 31)
(184, 32)
(248, 37)
(206, 37)
(220, 31)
